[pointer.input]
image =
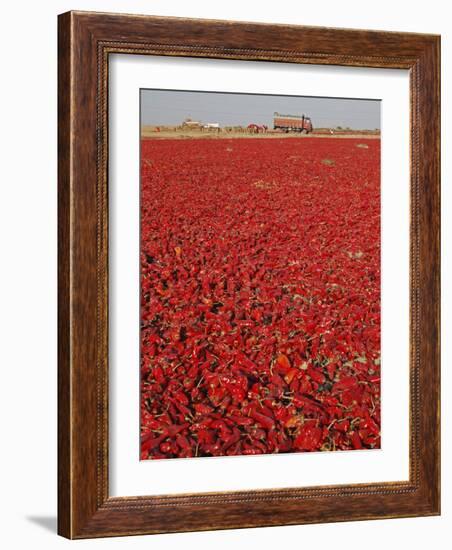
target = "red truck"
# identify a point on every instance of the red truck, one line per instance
(292, 123)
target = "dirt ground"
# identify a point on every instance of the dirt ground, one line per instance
(148, 132)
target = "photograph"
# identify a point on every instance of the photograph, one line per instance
(249, 217)
(260, 274)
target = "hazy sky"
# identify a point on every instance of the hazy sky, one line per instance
(170, 107)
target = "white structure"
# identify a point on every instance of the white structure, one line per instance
(192, 123)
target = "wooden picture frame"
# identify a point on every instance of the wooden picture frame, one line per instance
(86, 40)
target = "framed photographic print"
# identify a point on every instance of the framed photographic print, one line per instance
(248, 275)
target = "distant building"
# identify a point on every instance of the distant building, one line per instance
(192, 123)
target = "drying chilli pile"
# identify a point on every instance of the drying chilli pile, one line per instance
(260, 296)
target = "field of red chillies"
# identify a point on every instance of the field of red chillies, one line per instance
(260, 296)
